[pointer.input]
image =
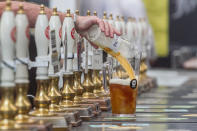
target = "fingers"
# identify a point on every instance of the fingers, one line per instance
(111, 31)
(107, 30)
(101, 24)
(116, 32)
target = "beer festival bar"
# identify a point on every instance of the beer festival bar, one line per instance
(95, 65)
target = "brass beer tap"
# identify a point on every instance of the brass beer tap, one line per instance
(54, 94)
(68, 92)
(88, 86)
(78, 87)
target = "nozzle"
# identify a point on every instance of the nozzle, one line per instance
(21, 9)
(95, 13)
(8, 5)
(77, 12)
(88, 13)
(68, 13)
(42, 9)
(54, 11)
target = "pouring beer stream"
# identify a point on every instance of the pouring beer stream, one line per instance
(117, 47)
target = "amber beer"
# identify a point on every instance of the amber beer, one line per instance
(123, 97)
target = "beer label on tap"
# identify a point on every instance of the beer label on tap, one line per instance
(133, 83)
(47, 32)
(73, 33)
(54, 55)
(60, 32)
(13, 34)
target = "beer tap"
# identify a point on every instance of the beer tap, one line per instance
(68, 39)
(140, 41)
(42, 100)
(123, 25)
(68, 93)
(97, 63)
(77, 68)
(78, 87)
(130, 31)
(144, 51)
(54, 65)
(87, 83)
(88, 86)
(22, 83)
(7, 108)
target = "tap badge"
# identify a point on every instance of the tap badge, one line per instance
(13, 34)
(133, 83)
(27, 32)
(73, 33)
(47, 32)
(60, 32)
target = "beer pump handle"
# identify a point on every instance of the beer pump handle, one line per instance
(22, 44)
(55, 42)
(68, 30)
(42, 42)
(7, 32)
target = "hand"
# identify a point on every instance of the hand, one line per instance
(83, 23)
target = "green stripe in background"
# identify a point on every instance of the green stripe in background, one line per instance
(157, 11)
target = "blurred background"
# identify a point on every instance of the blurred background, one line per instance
(173, 23)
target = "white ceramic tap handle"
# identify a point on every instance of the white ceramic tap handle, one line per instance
(42, 42)
(55, 25)
(22, 51)
(68, 38)
(8, 40)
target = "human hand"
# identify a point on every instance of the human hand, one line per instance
(83, 23)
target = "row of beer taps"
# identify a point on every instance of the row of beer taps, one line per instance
(57, 42)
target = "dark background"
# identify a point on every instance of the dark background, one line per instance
(182, 33)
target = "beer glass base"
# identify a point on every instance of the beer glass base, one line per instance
(124, 115)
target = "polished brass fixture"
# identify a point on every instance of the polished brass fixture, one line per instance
(68, 92)
(42, 101)
(78, 87)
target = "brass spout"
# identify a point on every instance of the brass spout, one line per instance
(54, 94)
(7, 108)
(22, 103)
(68, 93)
(88, 86)
(42, 101)
(78, 87)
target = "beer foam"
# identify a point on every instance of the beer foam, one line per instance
(120, 81)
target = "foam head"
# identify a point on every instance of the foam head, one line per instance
(117, 81)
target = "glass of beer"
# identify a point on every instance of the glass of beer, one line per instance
(123, 96)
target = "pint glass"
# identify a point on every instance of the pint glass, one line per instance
(123, 97)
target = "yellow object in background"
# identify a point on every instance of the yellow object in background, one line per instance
(158, 11)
